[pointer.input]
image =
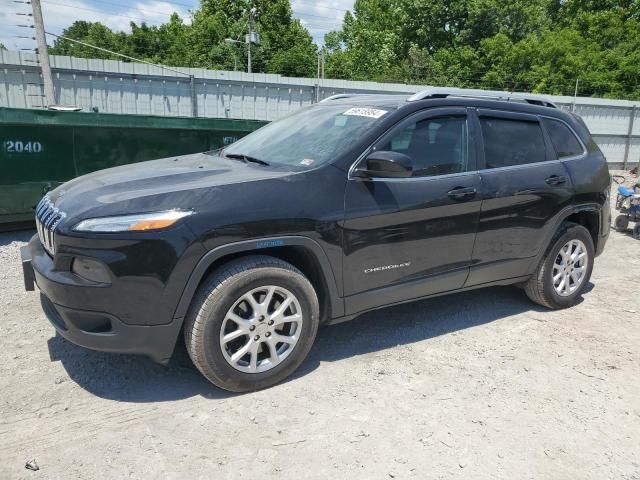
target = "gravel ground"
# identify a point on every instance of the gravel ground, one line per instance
(475, 385)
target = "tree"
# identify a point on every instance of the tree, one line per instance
(92, 33)
(533, 45)
(286, 46)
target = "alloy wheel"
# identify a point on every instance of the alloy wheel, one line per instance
(570, 267)
(261, 329)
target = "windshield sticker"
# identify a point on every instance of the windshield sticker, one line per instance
(307, 162)
(365, 112)
(340, 121)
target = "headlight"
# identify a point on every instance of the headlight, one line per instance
(141, 222)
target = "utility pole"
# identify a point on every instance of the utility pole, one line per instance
(575, 95)
(251, 37)
(43, 54)
(320, 73)
(249, 56)
(320, 64)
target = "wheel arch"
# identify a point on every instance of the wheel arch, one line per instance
(590, 219)
(302, 252)
(589, 215)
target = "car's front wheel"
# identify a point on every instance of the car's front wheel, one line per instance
(252, 323)
(565, 270)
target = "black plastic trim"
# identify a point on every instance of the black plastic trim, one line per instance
(156, 341)
(27, 269)
(494, 283)
(561, 217)
(336, 303)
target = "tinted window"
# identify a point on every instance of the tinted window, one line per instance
(512, 142)
(564, 141)
(437, 146)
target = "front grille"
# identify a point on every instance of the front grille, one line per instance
(47, 219)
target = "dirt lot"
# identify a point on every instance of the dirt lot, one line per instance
(475, 385)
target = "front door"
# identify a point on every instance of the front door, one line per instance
(406, 238)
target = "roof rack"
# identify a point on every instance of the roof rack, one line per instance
(440, 92)
(344, 95)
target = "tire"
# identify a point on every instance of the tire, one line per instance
(224, 301)
(621, 223)
(636, 231)
(541, 287)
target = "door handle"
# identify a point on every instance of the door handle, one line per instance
(462, 193)
(556, 180)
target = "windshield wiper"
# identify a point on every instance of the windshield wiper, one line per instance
(246, 158)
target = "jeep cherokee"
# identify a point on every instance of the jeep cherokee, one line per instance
(355, 203)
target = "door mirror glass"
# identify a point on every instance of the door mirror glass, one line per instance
(385, 164)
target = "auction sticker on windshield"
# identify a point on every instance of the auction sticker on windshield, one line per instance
(365, 112)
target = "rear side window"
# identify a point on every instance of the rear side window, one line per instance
(563, 139)
(510, 142)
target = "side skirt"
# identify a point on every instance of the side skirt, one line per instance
(503, 282)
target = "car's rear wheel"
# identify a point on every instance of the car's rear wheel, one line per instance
(565, 269)
(252, 323)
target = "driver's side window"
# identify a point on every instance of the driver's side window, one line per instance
(436, 146)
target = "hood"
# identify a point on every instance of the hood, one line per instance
(187, 181)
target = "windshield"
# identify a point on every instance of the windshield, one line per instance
(307, 138)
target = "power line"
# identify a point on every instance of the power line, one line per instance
(307, 14)
(299, 12)
(325, 7)
(320, 29)
(143, 10)
(117, 54)
(320, 23)
(140, 19)
(315, 25)
(171, 3)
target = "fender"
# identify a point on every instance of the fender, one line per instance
(336, 303)
(560, 217)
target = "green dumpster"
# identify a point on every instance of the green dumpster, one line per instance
(42, 148)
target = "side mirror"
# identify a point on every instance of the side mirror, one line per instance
(385, 164)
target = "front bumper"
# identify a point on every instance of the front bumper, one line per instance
(93, 329)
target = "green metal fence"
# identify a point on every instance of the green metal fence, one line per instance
(42, 149)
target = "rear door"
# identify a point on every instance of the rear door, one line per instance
(406, 238)
(524, 186)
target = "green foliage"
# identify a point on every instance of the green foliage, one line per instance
(286, 46)
(91, 33)
(533, 45)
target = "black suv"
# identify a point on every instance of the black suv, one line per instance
(355, 203)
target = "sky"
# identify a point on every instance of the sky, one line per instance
(319, 16)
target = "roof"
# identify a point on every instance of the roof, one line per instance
(450, 97)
